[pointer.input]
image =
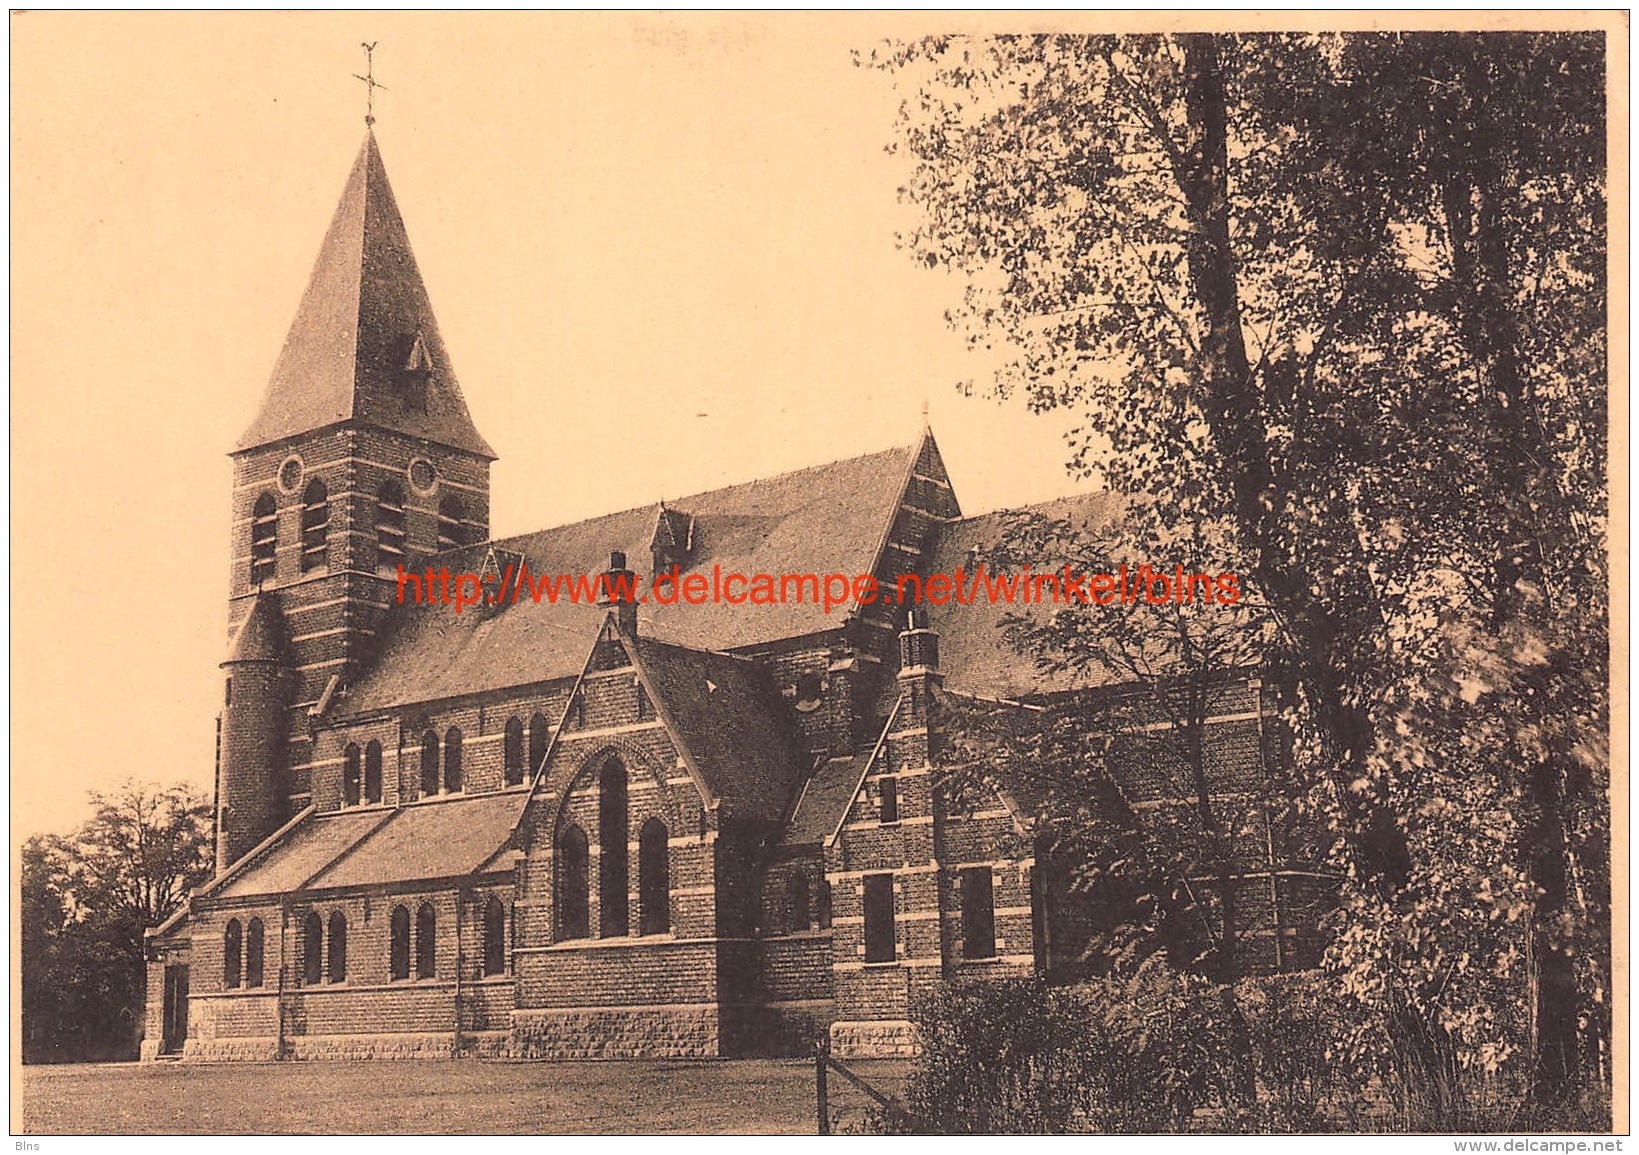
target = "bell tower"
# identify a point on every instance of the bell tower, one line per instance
(361, 457)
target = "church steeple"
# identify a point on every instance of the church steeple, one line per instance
(362, 459)
(365, 346)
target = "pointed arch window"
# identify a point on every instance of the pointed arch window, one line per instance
(426, 942)
(233, 945)
(315, 526)
(390, 525)
(513, 753)
(338, 947)
(350, 778)
(429, 764)
(312, 949)
(452, 761)
(654, 889)
(372, 772)
(253, 953)
(398, 962)
(452, 530)
(572, 905)
(613, 873)
(540, 733)
(494, 937)
(264, 539)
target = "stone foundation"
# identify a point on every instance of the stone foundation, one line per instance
(875, 1039)
(411, 1045)
(610, 1033)
(248, 1049)
(486, 1044)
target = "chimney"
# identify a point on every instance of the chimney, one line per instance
(620, 593)
(919, 681)
(918, 647)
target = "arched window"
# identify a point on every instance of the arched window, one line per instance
(398, 961)
(452, 761)
(426, 942)
(312, 949)
(494, 937)
(429, 764)
(452, 532)
(824, 905)
(350, 775)
(572, 898)
(540, 733)
(372, 772)
(315, 525)
(390, 525)
(338, 947)
(514, 752)
(253, 953)
(233, 945)
(613, 874)
(654, 890)
(798, 906)
(264, 539)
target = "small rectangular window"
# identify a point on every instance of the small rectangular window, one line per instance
(978, 913)
(888, 789)
(879, 919)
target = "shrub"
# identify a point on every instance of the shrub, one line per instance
(1158, 1051)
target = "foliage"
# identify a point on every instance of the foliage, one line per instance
(1344, 297)
(86, 899)
(1145, 1054)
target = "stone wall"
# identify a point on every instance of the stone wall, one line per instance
(616, 1033)
(875, 1039)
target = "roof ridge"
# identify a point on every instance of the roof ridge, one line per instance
(676, 503)
(1029, 505)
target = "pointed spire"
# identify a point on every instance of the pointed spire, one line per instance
(257, 639)
(365, 345)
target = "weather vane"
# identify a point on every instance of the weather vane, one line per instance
(370, 83)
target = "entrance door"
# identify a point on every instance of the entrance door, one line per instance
(175, 1030)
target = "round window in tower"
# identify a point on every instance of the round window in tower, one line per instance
(422, 475)
(291, 471)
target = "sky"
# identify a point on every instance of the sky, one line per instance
(660, 249)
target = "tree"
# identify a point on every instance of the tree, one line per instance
(87, 899)
(1206, 244)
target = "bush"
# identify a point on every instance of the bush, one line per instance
(1157, 1052)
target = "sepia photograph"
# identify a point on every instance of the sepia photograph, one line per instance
(707, 573)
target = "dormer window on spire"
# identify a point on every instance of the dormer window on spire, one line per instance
(413, 377)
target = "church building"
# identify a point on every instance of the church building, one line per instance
(559, 829)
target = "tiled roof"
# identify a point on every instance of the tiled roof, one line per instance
(827, 519)
(306, 850)
(447, 838)
(974, 655)
(826, 799)
(731, 722)
(259, 635)
(364, 333)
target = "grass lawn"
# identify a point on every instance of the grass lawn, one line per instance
(742, 1096)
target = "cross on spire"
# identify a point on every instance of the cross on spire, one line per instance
(370, 83)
